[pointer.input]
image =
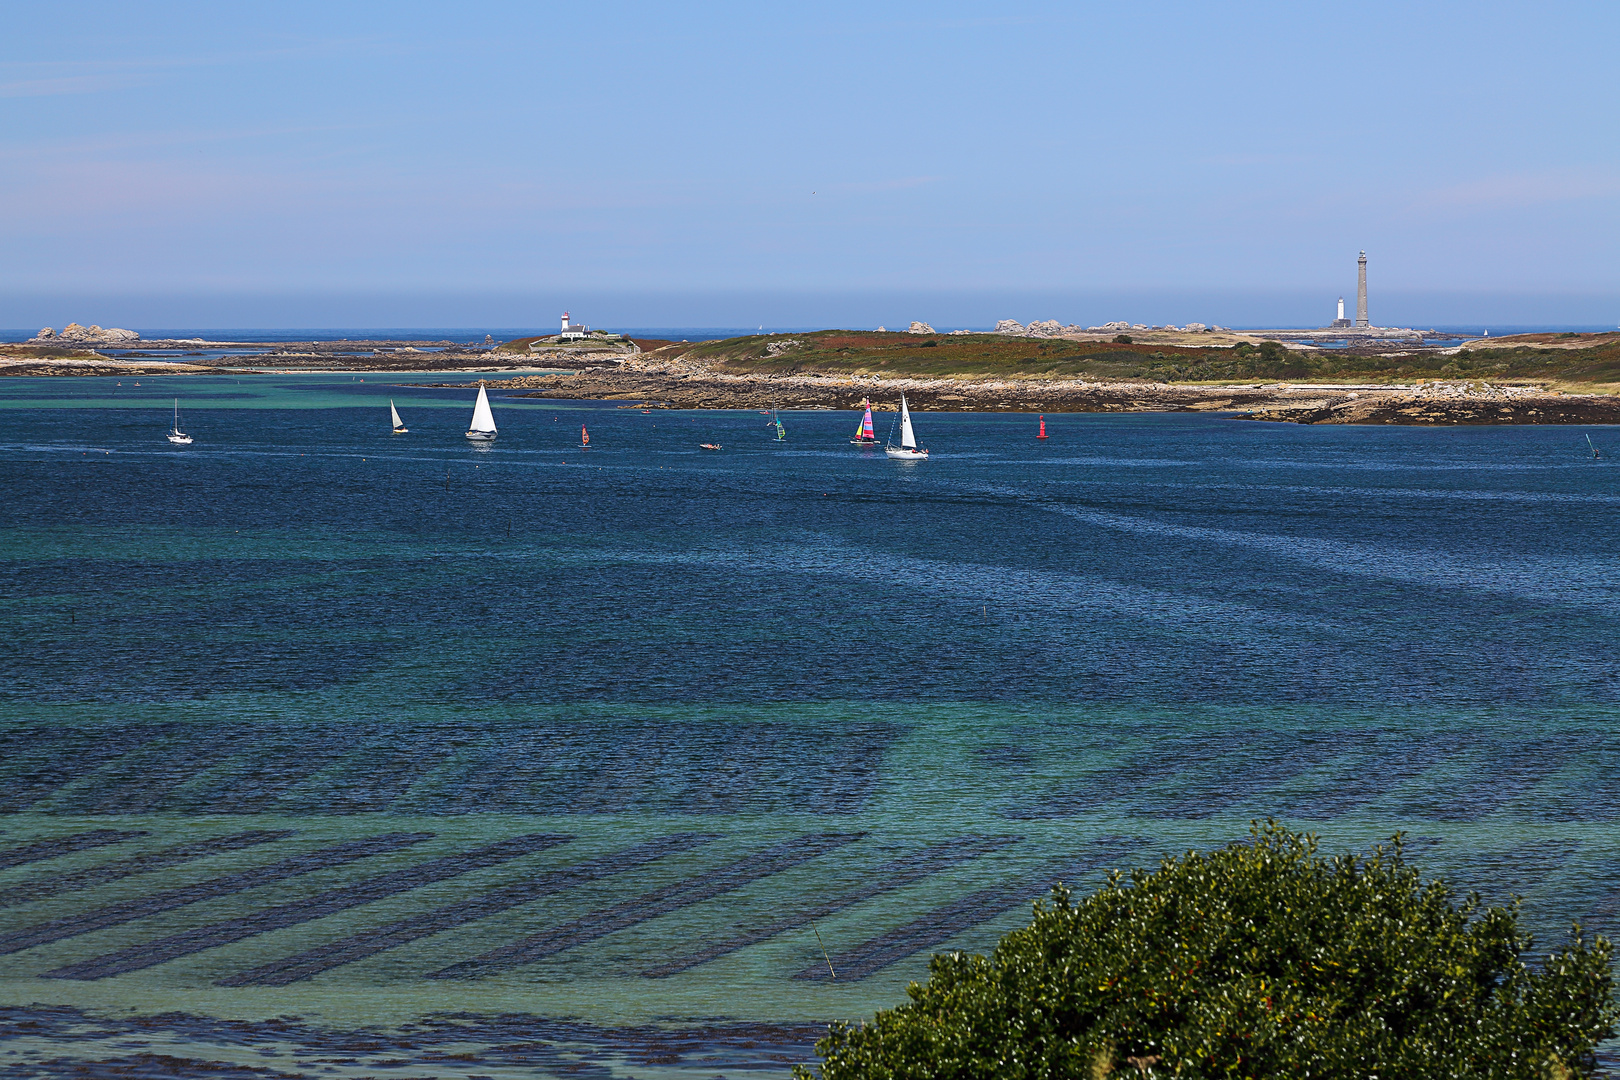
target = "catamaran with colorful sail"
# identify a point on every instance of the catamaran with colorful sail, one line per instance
(908, 449)
(864, 435)
(483, 421)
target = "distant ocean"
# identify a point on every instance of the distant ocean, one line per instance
(327, 751)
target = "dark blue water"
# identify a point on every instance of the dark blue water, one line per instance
(802, 668)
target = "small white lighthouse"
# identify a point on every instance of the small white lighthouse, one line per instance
(565, 316)
(1341, 322)
(572, 331)
(1341, 313)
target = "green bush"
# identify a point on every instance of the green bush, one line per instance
(1122, 339)
(1261, 959)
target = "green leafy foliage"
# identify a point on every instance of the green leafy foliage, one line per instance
(1003, 356)
(1261, 959)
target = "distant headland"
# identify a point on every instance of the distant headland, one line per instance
(1379, 376)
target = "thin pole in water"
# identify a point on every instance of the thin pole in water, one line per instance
(824, 955)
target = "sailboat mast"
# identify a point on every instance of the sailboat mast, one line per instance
(908, 440)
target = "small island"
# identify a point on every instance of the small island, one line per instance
(1377, 378)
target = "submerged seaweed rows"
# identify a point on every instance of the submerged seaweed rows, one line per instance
(686, 892)
(143, 907)
(539, 768)
(522, 1042)
(691, 767)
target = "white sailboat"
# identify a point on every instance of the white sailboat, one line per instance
(177, 436)
(399, 425)
(483, 421)
(908, 449)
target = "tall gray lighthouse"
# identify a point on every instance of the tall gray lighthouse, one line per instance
(1361, 291)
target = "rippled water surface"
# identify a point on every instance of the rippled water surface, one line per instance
(325, 751)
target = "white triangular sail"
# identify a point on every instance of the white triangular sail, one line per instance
(393, 412)
(483, 419)
(908, 439)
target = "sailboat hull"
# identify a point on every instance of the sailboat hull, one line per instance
(401, 431)
(481, 436)
(180, 440)
(906, 453)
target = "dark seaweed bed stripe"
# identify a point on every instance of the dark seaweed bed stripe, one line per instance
(142, 781)
(130, 910)
(40, 762)
(371, 785)
(901, 872)
(135, 864)
(722, 879)
(316, 907)
(349, 950)
(962, 914)
(50, 849)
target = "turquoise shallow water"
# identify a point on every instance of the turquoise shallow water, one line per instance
(496, 761)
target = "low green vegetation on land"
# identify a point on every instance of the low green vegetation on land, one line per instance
(995, 355)
(1261, 959)
(47, 352)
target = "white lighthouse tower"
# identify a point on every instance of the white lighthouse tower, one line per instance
(1341, 321)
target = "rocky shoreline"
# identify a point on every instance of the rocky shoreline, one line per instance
(675, 384)
(658, 375)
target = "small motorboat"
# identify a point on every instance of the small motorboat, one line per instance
(710, 445)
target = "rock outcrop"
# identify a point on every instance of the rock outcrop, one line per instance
(74, 334)
(1038, 328)
(919, 328)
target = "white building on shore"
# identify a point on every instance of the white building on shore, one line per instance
(572, 331)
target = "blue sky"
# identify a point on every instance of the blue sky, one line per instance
(809, 164)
